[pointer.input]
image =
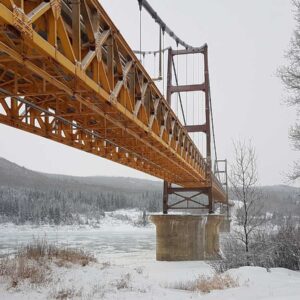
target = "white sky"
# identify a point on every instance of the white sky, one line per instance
(247, 41)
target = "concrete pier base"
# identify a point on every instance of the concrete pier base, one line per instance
(186, 237)
(179, 237)
(225, 225)
(212, 244)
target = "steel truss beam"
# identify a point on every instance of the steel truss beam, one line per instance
(67, 74)
(187, 196)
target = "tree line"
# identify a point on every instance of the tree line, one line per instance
(21, 205)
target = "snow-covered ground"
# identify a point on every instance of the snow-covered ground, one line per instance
(127, 269)
(133, 277)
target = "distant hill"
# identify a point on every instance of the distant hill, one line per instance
(40, 198)
(13, 175)
(282, 199)
(117, 192)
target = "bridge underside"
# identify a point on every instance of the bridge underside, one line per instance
(67, 74)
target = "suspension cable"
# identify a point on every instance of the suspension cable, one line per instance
(180, 101)
(151, 52)
(165, 28)
(162, 24)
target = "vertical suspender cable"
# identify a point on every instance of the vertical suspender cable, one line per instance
(154, 64)
(202, 113)
(186, 93)
(177, 102)
(163, 62)
(149, 9)
(140, 7)
(199, 101)
(160, 53)
(212, 123)
(193, 96)
(180, 100)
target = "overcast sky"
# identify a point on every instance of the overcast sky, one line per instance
(247, 41)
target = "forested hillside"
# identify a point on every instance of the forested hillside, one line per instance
(29, 196)
(43, 198)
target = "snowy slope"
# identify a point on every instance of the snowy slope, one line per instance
(132, 278)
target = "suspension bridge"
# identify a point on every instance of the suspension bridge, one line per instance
(67, 74)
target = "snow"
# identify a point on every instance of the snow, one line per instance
(127, 269)
(149, 279)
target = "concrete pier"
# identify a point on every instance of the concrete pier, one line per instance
(225, 225)
(179, 237)
(186, 237)
(212, 233)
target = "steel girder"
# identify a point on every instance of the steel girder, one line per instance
(67, 74)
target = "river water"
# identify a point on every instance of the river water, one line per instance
(100, 241)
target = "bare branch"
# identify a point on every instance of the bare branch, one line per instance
(290, 76)
(244, 179)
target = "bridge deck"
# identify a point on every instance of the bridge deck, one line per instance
(72, 78)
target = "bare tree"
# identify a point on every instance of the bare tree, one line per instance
(290, 76)
(250, 243)
(244, 179)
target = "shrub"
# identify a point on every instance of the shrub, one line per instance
(32, 262)
(276, 249)
(105, 265)
(66, 293)
(123, 282)
(142, 221)
(19, 269)
(40, 249)
(206, 284)
(282, 249)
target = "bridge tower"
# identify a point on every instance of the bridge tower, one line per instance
(185, 193)
(192, 236)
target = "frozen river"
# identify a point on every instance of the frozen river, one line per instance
(126, 254)
(101, 241)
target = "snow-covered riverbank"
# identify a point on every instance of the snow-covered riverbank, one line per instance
(133, 277)
(126, 267)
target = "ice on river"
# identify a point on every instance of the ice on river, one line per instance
(127, 269)
(112, 235)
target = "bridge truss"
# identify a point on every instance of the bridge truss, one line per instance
(67, 74)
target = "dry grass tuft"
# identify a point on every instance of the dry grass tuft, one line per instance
(123, 282)
(206, 284)
(32, 263)
(18, 269)
(74, 256)
(66, 293)
(139, 270)
(105, 265)
(39, 250)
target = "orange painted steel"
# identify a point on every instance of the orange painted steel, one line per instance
(67, 74)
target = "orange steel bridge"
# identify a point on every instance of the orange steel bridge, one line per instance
(67, 74)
